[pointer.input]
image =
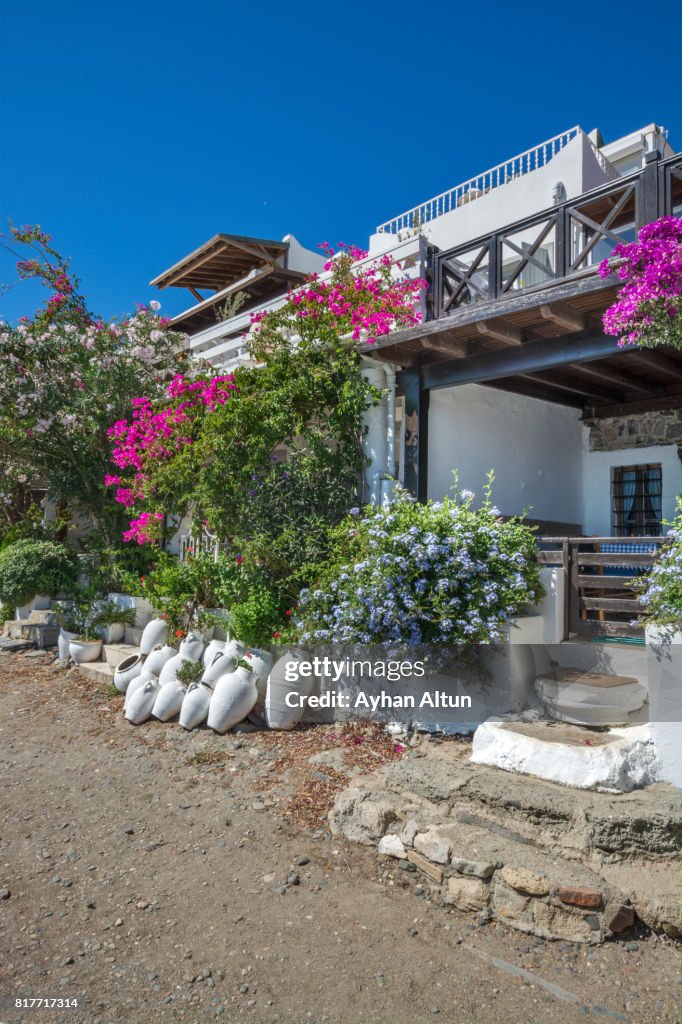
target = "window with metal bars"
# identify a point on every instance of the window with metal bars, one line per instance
(636, 500)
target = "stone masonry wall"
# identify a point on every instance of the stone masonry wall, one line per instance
(641, 430)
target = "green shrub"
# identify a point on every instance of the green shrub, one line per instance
(661, 588)
(30, 567)
(443, 572)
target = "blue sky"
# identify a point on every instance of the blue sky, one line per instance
(133, 132)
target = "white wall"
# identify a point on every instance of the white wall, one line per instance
(577, 166)
(597, 467)
(535, 448)
(305, 260)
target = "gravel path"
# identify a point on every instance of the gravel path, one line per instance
(158, 876)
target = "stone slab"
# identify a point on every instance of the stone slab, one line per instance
(576, 675)
(114, 654)
(566, 864)
(97, 671)
(616, 762)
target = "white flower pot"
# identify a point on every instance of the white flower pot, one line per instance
(126, 671)
(260, 662)
(114, 633)
(195, 706)
(136, 684)
(235, 647)
(122, 601)
(170, 668)
(153, 635)
(63, 643)
(139, 707)
(214, 647)
(278, 714)
(192, 647)
(85, 650)
(221, 665)
(234, 697)
(169, 700)
(158, 658)
(38, 603)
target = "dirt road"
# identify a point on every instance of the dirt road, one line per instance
(154, 875)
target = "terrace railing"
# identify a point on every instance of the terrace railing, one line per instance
(566, 240)
(598, 575)
(519, 165)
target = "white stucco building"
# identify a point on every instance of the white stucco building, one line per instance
(509, 369)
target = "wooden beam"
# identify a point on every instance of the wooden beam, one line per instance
(528, 299)
(532, 357)
(501, 331)
(569, 383)
(612, 376)
(195, 293)
(258, 251)
(600, 412)
(458, 350)
(657, 361)
(562, 315)
(189, 269)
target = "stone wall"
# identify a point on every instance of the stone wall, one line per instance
(642, 430)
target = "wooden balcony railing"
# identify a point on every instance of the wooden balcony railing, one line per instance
(564, 241)
(598, 575)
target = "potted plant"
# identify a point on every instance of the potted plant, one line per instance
(87, 618)
(172, 693)
(34, 571)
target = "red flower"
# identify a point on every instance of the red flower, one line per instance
(288, 611)
(178, 632)
(165, 615)
(142, 579)
(275, 635)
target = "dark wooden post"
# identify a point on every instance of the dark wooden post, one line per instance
(494, 267)
(416, 431)
(566, 583)
(647, 205)
(562, 258)
(433, 277)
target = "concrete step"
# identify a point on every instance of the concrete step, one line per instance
(97, 671)
(133, 636)
(41, 618)
(114, 654)
(41, 635)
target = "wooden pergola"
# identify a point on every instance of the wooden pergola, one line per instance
(224, 266)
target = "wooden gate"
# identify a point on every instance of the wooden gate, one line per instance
(599, 574)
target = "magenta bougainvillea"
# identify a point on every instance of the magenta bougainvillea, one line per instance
(156, 434)
(647, 311)
(316, 331)
(363, 300)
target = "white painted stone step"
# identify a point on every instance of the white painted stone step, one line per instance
(97, 671)
(616, 761)
(114, 654)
